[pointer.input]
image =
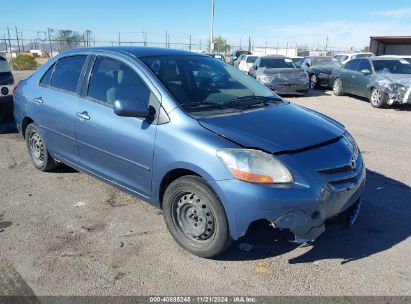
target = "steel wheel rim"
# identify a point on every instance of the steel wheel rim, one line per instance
(375, 97)
(193, 218)
(337, 86)
(36, 147)
(313, 81)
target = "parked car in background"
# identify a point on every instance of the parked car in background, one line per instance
(247, 62)
(214, 154)
(236, 55)
(6, 91)
(216, 56)
(344, 58)
(296, 60)
(383, 80)
(279, 74)
(319, 69)
(405, 57)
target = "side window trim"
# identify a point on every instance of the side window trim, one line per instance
(53, 66)
(79, 80)
(138, 71)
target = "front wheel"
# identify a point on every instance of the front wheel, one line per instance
(378, 98)
(195, 217)
(36, 146)
(337, 87)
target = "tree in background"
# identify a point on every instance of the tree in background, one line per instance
(220, 45)
(366, 49)
(67, 39)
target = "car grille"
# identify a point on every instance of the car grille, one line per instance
(342, 181)
(337, 170)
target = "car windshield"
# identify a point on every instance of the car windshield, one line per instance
(4, 65)
(276, 63)
(392, 66)
(324, 61)
(251, 59)
(340, 58)
(203, 83)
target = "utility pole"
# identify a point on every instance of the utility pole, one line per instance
(166, 39)
(189, 46)
(11, 50)
(51, 49)
(22, 41)
(17, 37)
(212, 28)
(5, 42)
(119, 39)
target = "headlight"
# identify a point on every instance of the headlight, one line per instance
(264, 78)
(353, 143)
(254, 166)
(323, 75)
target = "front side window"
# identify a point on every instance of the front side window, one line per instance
(276, 63)
(199, 81)
(364, 65)
(351, 65)
(112, 80)
(324, 61)
(67, 73)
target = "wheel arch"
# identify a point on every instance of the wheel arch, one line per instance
(25, 122)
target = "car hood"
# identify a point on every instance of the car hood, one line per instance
(277, 128)
(397, 78)
(322, 69)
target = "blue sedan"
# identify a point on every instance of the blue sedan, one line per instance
(210, 146)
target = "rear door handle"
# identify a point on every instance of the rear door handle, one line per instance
(38, 100)
(83, 115)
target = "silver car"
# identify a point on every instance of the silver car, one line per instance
(280, 74)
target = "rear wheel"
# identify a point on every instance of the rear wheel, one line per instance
(337, 87)
(378, 98)
(195, 217)
(36, 146)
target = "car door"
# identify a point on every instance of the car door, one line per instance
(361, 78)
(347, 72)
(117, 149)
(55, 101)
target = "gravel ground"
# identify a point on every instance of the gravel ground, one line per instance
(65, 233)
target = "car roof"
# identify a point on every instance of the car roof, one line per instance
(135, 51)
(378, 58)
(273, 56)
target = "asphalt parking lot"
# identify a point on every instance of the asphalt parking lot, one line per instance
(65, 233)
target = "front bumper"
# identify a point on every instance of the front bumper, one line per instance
(6, 92)
(288, 88)
(303, 208)
(324, 81)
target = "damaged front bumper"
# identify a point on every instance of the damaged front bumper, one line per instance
(288, 88)
(303, 207)
(397, 90)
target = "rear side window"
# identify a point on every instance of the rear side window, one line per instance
(45, 80)
(67, 73)
(112, 80)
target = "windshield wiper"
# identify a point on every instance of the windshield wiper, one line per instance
(255, 100)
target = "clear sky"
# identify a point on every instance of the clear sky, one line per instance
(346, 22)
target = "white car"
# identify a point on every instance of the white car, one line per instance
(344, 58)
(246, 63)
(405, 57)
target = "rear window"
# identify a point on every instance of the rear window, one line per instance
(4, 65)
(67, 73)
(276, 63)
(251, 59)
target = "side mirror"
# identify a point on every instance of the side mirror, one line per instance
(131, 108)
(308, 65)
(255, 67)
(365, 71)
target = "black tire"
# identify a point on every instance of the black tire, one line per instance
(195, 217)
(313, 82)
(337, 87)
(378, 98)
(36, 146)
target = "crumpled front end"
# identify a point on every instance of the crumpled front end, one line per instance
(397, 90)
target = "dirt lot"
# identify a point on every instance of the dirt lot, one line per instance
(65, 233)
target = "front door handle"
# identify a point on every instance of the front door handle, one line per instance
(38, 100)
(83, 115)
